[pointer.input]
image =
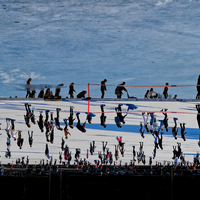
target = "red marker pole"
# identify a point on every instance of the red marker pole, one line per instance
(88, 100)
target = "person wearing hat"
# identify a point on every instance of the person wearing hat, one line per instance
(165, 92)
(103, 88)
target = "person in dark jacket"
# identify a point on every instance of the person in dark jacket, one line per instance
(71, 90)
(103, 88)
(71, 119)
(82, 94)
(119, 89)
(57, 121)
(41, 122)
(119, 113)
(103, 117)
(183, 131)
(79, 126)
(165, 92)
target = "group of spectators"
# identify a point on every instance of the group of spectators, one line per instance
(150, 94)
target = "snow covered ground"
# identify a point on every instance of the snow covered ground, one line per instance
(84, 41)
(14, 108)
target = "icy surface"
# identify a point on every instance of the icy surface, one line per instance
(130, 130)
(140, 42)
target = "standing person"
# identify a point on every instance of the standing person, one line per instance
(71, 119)
(71, 90)
(41, 122)
(175, 129)
(79, 126)
(165, 92)
(47, 151)
(160, 138)
(146, 121)
(119, 89)
(29, 115)
(30, 138)
(165, 120)
(66, 132)
(141, 130)
(103, 88)
(103, 117)
(28, 82)
(57, 121)
(183, 131)
(121, 145)
(58, 89)
(20, 140)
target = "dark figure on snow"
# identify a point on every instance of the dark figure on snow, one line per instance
(82, 94)
(71, 90)
(183, 131)
(121, 145)
(57, 121)
(41, 94)
(89, 117)
(28, 88)
(79, 126)
(165, 120)
(66, 132)
(119, 113)
(160, 138)
(103, 88)
(103, 117)
(41, 122)
(175, 129)
(20, 140)
(30, 138)
(119, 89)
(29, 115)
(71, 119)
(165, 92)
(58, 89)
(198, 115)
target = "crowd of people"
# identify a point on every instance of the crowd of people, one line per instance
(120, 88)
(48, 123)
